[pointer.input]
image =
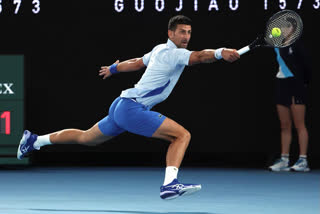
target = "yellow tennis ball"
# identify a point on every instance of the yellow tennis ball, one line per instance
(276, 32)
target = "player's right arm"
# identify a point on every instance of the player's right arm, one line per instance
(125, 66)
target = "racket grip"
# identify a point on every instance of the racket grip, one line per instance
(243, 50)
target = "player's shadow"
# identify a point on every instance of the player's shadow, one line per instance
(117, 211)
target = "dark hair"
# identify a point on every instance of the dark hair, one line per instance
(176, 20)
(293, 22)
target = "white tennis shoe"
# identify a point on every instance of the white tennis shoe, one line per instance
(301, 165)
(280, 165)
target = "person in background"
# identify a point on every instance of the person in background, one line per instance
(292, 81)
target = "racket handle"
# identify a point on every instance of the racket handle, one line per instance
(243, 50)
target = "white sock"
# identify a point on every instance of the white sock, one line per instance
(303, 156)
(285, 157)
(171, 174)
(42, 141)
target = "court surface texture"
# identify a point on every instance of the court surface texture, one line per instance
(134, 190)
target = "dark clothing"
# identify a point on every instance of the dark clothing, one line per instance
(294, 88)
(290, 90)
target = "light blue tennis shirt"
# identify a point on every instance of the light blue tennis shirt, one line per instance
(284, 71)
(165, 63)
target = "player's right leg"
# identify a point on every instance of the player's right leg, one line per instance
(97, 134)
(282, 164)
(31, 141)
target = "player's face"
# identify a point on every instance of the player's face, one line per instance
(181, 36)
(287, 30)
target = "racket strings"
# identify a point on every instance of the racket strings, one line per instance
(290, 25)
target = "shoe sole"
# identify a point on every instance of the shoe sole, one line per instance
(23, 140)
(186, 191)
(297, 170)
(190, 191)
(172, 196)
(280, 170)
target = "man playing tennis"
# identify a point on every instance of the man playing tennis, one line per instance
(131, 111)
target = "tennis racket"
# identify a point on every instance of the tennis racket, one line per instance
(291, 26)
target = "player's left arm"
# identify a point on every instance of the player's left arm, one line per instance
(125, 66)
(211, 55)
(304, 61)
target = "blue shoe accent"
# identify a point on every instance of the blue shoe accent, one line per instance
(301, 165)
(26, 144)
(176, 189)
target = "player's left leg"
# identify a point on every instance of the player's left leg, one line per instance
(138, 119)
(298, 114)
(179, 139)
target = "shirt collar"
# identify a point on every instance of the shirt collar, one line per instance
(170, 44)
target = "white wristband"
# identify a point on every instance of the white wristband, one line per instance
(217, 53)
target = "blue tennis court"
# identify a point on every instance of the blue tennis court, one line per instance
(122, 190)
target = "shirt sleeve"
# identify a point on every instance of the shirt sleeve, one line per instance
(304, 61)
(181, 56)
(146, 58)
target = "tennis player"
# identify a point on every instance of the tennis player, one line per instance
(131, 111)
(291, 97)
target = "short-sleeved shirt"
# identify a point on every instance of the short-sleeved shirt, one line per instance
(165, 63)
